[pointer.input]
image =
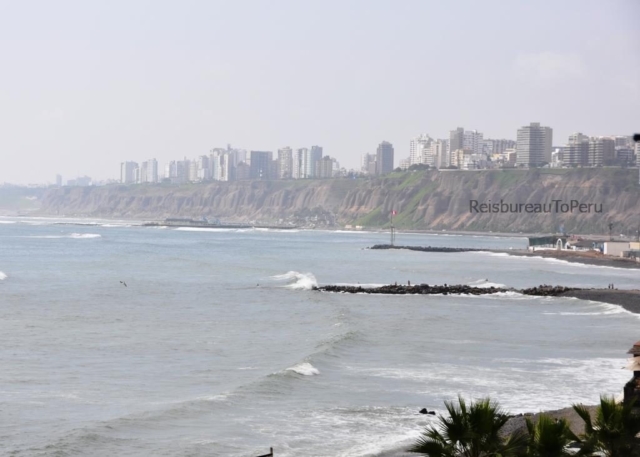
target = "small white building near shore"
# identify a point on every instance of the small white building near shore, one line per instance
(615, 248)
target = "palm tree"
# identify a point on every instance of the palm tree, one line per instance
(469, 431)
(613, 433)
(549, 437)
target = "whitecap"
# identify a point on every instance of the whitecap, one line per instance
(306, 281)
(3, 276)
(84, 236)
(305, 369)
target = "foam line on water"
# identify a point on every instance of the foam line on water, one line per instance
(548, 259)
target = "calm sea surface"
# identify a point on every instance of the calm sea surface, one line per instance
(217, 347)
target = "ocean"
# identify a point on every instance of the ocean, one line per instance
(217, 346)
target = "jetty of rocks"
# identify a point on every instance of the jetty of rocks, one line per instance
(426, 289)
(424, 248)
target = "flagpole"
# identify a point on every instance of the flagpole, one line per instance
(393, 235)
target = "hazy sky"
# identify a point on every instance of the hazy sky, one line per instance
(87, 84)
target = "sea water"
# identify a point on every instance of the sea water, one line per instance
(217, 346)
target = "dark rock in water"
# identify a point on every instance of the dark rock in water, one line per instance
(424, 411)
(431, 413)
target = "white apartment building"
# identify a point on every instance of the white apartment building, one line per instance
(417, 148)
(534, 145)
(285, 162)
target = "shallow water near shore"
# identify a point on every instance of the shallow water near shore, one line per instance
(216, 346)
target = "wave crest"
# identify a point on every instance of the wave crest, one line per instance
(305, 281)
(84, 236)
(304, 368)
(3, 276)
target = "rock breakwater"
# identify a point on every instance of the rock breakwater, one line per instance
(424, 248)
(418, 289)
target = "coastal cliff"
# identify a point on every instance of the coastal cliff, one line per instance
(423, 200)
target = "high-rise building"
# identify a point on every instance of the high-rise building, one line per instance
(417, 147)
(285, 162)
(193, 171)
(315, 154)
(297, 164)
(456, 139)
(384, 158)
(152, 170)
(367, 163)
(325, 167)
(142, 176)
(576, 151)
(441, 154)
(472, 140)
(623, 141)
(243, 171)
(602, 151)
(128, 171)
(261, 164)
(182, 171)
(534, 145)
(491, 146)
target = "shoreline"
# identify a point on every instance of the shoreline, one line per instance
(580, 257)
(628, 299)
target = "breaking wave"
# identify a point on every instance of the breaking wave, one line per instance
(3, 276)
(485, 284)
(305, 369)
(304, 281)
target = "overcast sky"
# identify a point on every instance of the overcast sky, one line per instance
(85, 85)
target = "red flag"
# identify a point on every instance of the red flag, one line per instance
(394, 212)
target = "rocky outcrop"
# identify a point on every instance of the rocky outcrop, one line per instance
(423, 200)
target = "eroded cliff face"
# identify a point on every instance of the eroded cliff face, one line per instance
(423, 200)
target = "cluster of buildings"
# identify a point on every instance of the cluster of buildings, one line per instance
(229, 164)
(463, 149)
(533, 147)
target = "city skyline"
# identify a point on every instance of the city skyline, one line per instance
(86, 86)
(578, 150)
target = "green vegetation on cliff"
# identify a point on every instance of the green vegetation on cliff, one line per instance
(423, 200)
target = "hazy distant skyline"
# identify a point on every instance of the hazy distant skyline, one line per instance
(87, 85)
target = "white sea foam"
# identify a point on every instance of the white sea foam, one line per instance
(485, 284)
(77, 236)
(547, 259)
(605, 309)
(7, 222)
(305, 369)
(84, 236)
(204, 229)
(3, 276)
(116, 225)
(304, 281)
